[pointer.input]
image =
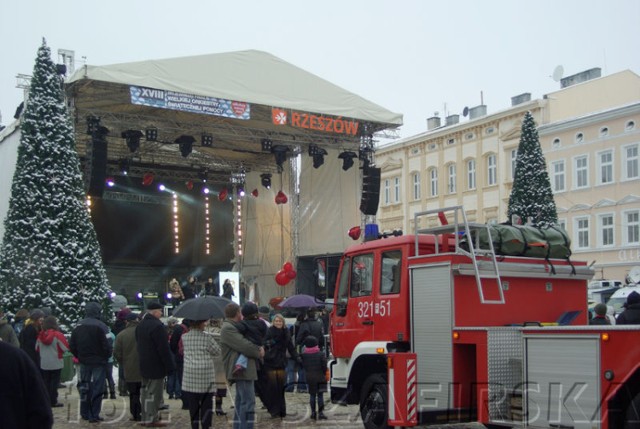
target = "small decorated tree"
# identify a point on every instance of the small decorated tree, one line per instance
(531, 196)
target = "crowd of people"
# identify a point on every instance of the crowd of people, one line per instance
(194, 361)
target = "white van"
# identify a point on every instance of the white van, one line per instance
(619, 297)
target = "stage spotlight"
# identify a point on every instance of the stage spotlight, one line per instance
(240, 191)
(132, 137)
(161, 187)
(267, 145)
(123, 166)
(207, 140)
(186, 144)
(110, 182)
(318, 157)
(347, 159)
(204, 175)
(280, 153)
(151, 134)
(205, 190)
(265, 179)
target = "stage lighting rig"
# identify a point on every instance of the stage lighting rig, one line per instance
(207, 140)
(318, 154)
(267, 145)
(132, 137)
(280, 153)
(347, 159)
(265, 179)
(151, 134)
(186, 144)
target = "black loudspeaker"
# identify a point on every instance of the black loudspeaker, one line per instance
(370, 191)
(97, 165)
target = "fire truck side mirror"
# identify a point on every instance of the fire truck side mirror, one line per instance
(341, 309)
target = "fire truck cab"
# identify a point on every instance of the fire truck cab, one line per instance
(431, 328)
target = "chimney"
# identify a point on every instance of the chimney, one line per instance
(476, 112)
(433, 123)
(519, 99)
(452, 120)
(580, 77)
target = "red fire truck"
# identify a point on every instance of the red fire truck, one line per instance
(426, 329)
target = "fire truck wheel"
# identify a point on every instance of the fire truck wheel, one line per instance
(632, 416)
(374, 402)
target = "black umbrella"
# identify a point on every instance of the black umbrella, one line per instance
(203, 308)
(301, 301)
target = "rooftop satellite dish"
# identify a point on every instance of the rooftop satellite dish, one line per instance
(558, 72)
(634, 275)
(465, 111)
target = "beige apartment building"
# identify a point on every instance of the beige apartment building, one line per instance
(590, 135)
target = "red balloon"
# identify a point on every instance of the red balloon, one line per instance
(281, 198)
(282, 278)
(223, 194)
(255, 193)
(291, 274)
(354, 232)
(288, 266)
(147, 179)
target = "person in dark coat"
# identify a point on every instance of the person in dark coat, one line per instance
(600, 317)
(631, 313)
(89, 344)
(189, 289)
(29, 335)
(7, 334)
(311, 326)
(175, 380)
(155, 363)
(277, 342)
(314, 363)
(24, 400)
(227, 289)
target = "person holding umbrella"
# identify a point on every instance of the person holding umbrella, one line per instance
(198, 378)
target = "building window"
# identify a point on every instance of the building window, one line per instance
(631, 227)
(630, 126)
(630, 162)
(604, 132)
(606, 229)
(514, 159)
(387, 192)
(451, 184)
(433, 182)
(581, 172)
(471, 174)
(416, 186)
(432, 146)
(489, 130)
(582, 232)
(579, 138)
(451, 141)
(396, 190)
(605, 167)
(469, 136)
(557, 176)
(562, 223)
(492, 172)
(556, 143)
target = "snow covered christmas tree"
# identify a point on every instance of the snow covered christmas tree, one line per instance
(531, 196)
(50, 255)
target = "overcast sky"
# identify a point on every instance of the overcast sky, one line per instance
(411, 57)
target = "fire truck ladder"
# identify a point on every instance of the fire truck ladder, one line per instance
(467, 233)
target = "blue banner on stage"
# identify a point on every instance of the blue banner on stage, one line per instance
(163, 99)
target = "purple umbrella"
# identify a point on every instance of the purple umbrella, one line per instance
(301, 301)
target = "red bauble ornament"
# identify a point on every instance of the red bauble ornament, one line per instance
(287, 266)
(255, 193)
(291, 274)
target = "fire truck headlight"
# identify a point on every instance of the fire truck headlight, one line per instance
(608, 375)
